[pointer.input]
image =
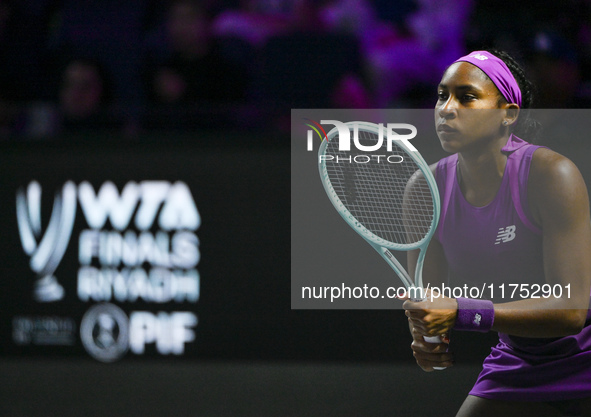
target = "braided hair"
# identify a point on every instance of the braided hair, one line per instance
(526, 127)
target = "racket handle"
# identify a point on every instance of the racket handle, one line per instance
(434, 339)
(431, 339)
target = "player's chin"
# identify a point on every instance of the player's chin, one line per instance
(449, 144)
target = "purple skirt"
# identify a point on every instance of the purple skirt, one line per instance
(528, 369)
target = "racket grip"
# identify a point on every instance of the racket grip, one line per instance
(434, 339)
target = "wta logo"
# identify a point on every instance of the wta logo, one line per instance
(46, 250)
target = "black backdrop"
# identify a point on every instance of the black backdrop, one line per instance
(241, 188)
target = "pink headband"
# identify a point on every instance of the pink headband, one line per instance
(498, 72)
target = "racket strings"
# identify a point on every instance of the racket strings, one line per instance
(389, 196)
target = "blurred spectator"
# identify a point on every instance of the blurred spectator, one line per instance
(255, 21)
(85, 97)
(553, 37)
(359, 19)
(184, 65)
(312, 70)
(274, 54)
(554, 66)
(402, 60)
(312, 66)
(82, 102)
(84, 89)
(109, 32)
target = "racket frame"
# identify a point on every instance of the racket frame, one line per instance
(381, 245)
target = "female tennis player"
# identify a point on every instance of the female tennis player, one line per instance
(512, 213)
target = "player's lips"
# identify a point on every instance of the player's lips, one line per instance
(446, 128)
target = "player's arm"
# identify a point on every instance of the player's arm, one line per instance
(560, 205)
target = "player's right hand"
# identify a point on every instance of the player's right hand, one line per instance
(431, 355)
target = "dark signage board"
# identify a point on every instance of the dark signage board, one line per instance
(155, 249)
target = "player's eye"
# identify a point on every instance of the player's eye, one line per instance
(441, 95)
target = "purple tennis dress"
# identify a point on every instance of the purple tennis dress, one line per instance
(496, 244)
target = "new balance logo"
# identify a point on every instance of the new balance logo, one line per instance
(506, 234)
(479, 56)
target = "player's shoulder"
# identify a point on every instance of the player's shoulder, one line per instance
(550, 166)
(556, 190)
(554, 177)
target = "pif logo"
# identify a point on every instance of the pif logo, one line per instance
(389, 132)
(107, 333)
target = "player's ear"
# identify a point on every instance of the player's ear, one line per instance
(511, 113)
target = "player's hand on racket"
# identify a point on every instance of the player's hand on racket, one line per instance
(430, 356)
(433, 316)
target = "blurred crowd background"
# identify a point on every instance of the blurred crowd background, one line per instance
(133, 66)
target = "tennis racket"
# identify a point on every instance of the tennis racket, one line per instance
(389, 197)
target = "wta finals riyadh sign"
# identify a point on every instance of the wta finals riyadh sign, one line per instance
(139, 245)
(121, 251)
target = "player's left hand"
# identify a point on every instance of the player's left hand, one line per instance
(431, 356)
(433, 316)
